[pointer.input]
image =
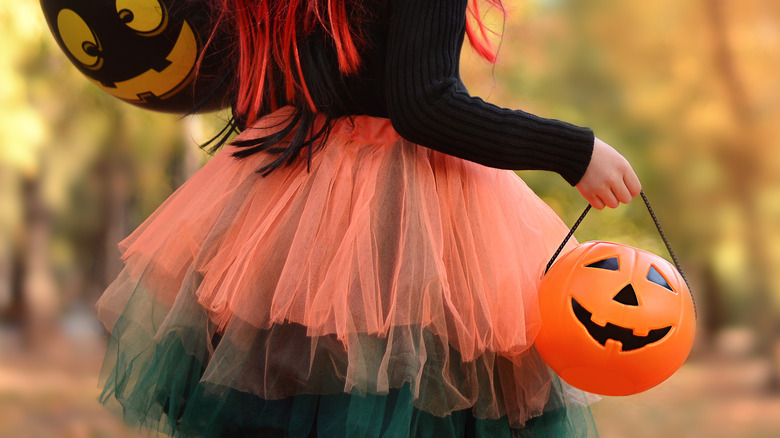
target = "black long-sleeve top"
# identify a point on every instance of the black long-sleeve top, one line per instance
(411, 75)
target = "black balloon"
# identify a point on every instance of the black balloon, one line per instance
(145, 51)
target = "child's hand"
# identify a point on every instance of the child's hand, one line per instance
(609, 178)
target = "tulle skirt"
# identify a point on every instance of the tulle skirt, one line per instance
(380, 290)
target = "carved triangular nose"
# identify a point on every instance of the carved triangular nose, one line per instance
(626, 296)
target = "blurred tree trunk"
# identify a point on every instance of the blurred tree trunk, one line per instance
(13, 313)
(711, 307)
(40, 301)
(741, 160)
(6, 266)
(113, 172)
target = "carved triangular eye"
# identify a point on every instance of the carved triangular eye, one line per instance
(610, 264)
(655, 277)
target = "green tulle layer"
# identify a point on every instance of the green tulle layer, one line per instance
(162, 390)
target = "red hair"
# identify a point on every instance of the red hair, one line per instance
(478, 32)
(267, 36)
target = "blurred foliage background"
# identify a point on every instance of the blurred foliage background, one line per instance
(688, 91)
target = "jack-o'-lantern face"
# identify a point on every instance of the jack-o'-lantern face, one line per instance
(142, 51)
(615, 319)
(626, 297)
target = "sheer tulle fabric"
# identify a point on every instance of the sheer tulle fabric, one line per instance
(380, 266)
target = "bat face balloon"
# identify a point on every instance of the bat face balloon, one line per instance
(145, 52)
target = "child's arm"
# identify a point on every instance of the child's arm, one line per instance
(429, 105)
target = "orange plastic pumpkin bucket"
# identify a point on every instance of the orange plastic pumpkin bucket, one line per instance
(616, 320)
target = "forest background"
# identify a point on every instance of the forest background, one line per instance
(688, 91)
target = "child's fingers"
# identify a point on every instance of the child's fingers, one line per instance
(622, 193)
(632, 183)
(609, 198)
(597, 203)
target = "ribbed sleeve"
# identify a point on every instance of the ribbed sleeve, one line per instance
(429, 105)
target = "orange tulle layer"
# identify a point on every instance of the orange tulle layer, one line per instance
(367, 260)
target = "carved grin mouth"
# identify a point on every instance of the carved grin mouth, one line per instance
(171, 75)
(628, 340)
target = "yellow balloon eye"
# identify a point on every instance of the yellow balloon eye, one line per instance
(147, 17)
(79, 39)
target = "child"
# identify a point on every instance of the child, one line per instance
(358, 261)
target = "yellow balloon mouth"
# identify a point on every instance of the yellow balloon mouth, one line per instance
(154, 85)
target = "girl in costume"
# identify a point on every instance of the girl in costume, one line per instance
(359, 261)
